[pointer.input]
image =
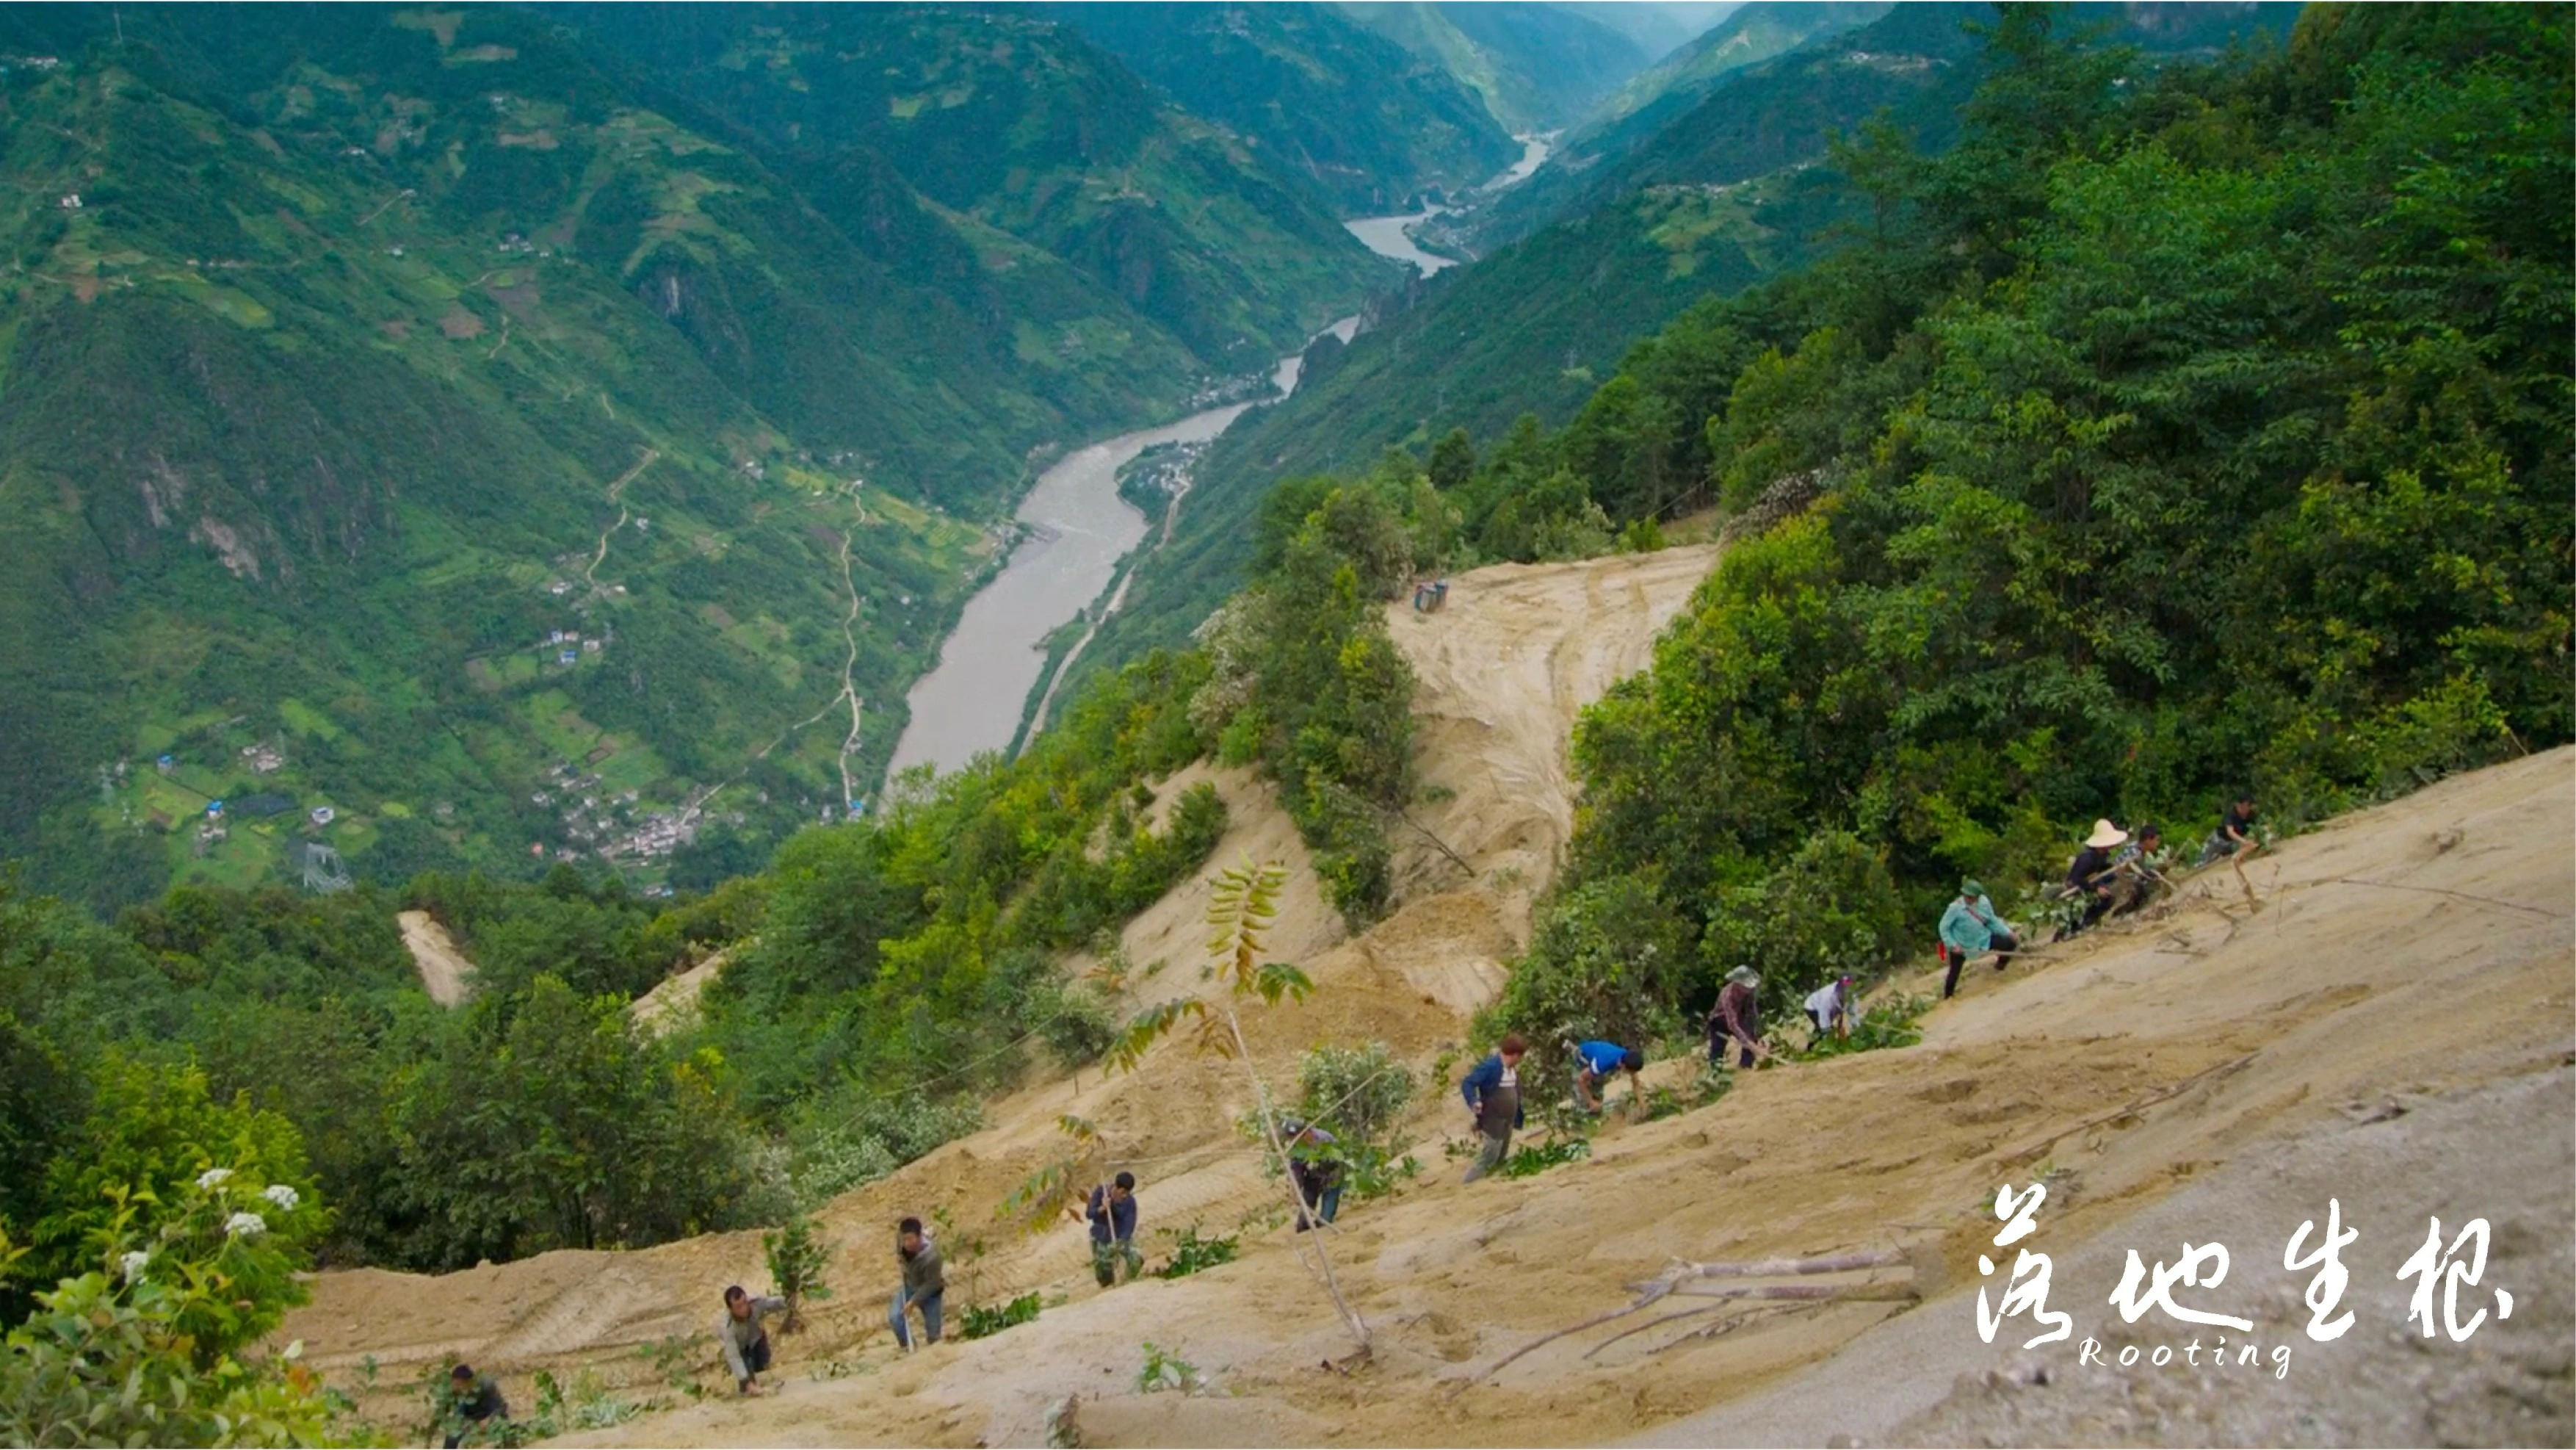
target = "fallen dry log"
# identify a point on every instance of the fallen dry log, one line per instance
(1689, 1280)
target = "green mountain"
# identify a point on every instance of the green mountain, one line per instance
(1730, 194)
(1750, 35)
(1703, 129)
(1021, 126)
(1538, 67)
(1657, 29)
(349, 355)
(1363, 118)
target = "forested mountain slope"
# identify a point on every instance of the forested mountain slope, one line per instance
(1538, 67)
(1019, 123)
(1718, 113)
(1674, 83)
(1366, 120)
(354, 354)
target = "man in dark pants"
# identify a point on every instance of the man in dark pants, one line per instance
(475, 1404)
(1970, 927)
(1317, 1173)
(1493, 1094)
(1112, 1213)
(924, 1286)
(2090, 874)
(2235, 833)
(2135, 867)
(743, 1339)
(1737, 1018)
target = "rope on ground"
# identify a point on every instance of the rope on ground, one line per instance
(2439, 891)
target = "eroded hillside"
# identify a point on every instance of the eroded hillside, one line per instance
(2388, 1018)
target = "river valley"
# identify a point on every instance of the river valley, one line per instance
(1078, 529)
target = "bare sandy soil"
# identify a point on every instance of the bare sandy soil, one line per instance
(2391, 1026)
(673, 1002)
(444, 972)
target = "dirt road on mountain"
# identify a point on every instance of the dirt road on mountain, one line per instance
(2204, 1071)
(443, 969)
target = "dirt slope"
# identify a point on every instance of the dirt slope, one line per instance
(2192, 1066)
(444, 971)
(673, 1002)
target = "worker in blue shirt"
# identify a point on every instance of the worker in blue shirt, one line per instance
(1594, 1062)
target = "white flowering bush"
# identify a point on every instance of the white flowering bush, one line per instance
(227, 1247)
(149, 1348)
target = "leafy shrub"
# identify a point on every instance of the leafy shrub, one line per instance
(1164, 1370)
(1888, 1024)
(548, 1122)
(854, 1137)
(589, 1406)
(1191, 1253)
(1076, 1022)
(798, 1255)
(978, 1322)
(146, 1349)
(1830, 909)
(1534, 1158)
(1606, 960)
(1371, 1171)
(1355, 1093)
(1711, 1084)
(141, 1169)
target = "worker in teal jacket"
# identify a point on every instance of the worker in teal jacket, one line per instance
(1971, 927)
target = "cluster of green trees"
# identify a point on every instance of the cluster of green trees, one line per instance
(288, 1033)
(2174, 438)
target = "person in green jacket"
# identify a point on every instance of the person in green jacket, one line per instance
(1971, 927)
(924, 1284)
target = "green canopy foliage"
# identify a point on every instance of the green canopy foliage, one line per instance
(2173, 438)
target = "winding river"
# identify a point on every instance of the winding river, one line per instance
(1078, 528)
(1392, 236)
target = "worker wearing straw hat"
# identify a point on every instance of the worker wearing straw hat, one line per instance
(2091, 875)
(1737, 1018)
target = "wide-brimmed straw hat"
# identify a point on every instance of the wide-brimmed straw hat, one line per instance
(2106, 834)
(1745, 974)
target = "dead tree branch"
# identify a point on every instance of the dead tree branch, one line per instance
(1687, 1279)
